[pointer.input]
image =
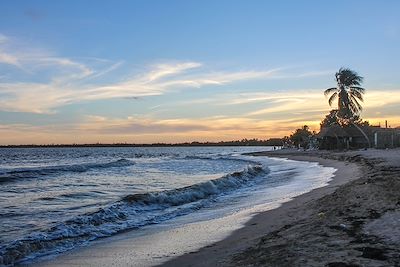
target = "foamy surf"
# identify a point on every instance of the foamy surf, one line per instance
(133, 211)
(60, 207)
(200, 191)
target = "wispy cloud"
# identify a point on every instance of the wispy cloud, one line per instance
(218, 78)
(109, 69)
(291, 102)
(40, 82)
(300, 102)
(8, 59)
(206, 127)
(300, 105)
(315, 73)
(69, 81)
(62, 90)
(183, 129)
(81, 70)
(146, 129)
(160, 71)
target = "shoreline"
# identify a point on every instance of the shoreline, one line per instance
(122, 250)
(324, 227)
(264, 223)
(353, 225)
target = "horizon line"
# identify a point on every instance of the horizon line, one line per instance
(98, 144)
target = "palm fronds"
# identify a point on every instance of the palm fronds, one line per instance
(348, 93)
(332, 98)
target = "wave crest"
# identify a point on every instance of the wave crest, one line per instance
(10, 175)
(131, 212)
(197, 191)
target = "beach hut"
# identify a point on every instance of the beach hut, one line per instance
(357, 136)
(333, 137)
(360, 136)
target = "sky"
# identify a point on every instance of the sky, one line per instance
(145, 71)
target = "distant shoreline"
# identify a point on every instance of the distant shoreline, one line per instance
(191, 144)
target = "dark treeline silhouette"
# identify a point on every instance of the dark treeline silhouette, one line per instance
(243, 142)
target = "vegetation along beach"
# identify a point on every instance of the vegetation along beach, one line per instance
(199, 133)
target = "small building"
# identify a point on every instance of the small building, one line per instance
(386, 137)
(332, 137)
(358, 136)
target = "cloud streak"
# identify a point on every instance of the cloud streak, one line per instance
(142, 130)
(9, 59)
(36, 81)
(148, 129)
(69, 81)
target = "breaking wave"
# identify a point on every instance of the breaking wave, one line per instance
(9, 175)
(219, 157)
(131, 212)
(197, 191)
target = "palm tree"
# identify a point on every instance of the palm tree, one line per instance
(348, 92)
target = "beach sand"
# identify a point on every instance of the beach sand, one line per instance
(354, 221)
(229, 252)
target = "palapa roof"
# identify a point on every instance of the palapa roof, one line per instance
(353, 131)
(345, 131)
(332, 131)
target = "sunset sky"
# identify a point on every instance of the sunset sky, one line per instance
(173, 71)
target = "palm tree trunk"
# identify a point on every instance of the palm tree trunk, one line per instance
(363, 133)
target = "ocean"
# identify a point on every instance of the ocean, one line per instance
(54, 200)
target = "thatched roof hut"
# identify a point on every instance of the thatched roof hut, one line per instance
(357, 136)
(332, 131)
(340, 137)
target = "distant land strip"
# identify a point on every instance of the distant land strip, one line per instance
(243, 142)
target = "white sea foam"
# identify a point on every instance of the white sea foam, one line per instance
(77, 195)
(131, 212)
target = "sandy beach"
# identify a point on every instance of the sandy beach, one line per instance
(199, 133)
(225, 252)
(354, 221)
(149, 246)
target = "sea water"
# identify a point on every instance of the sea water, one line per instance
(56, 199)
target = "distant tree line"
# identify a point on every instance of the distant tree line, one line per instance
(243, 142)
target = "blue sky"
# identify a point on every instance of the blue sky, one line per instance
(171, 71)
